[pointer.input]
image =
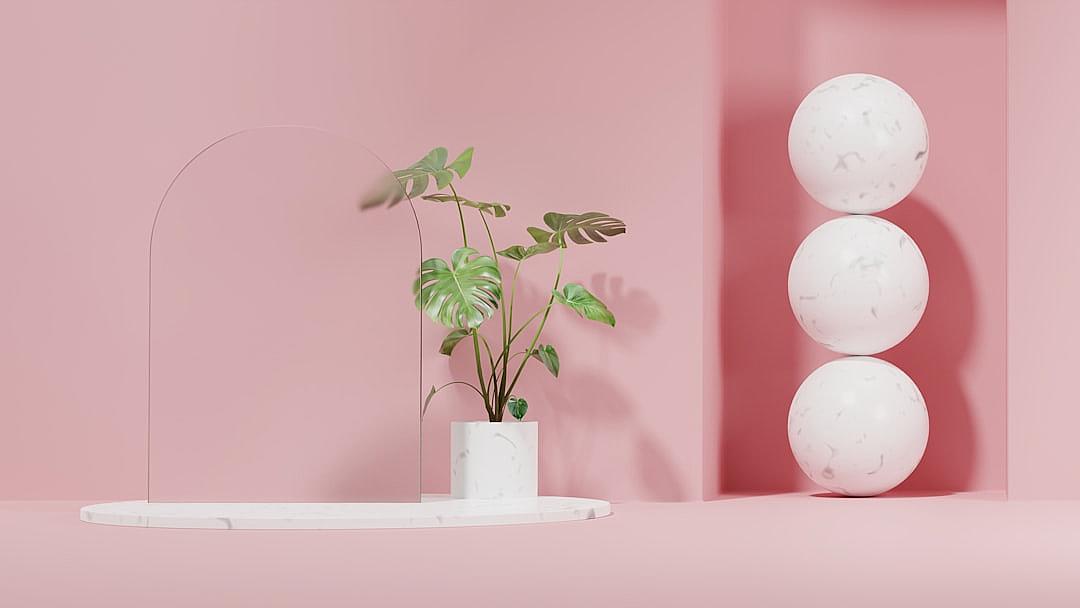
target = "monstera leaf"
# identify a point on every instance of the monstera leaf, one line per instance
(584, 303)
(451, 340)
(581, 228)
(520, 253)
(461, 294)
(416, 178)
(545, 353)
(517, 406)
(496, 209)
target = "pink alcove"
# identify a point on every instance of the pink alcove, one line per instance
(950, 56)
(284, 361)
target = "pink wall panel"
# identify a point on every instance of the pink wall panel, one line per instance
(1044, 89)
(576, 106)
(571, 106)
(634, 108)
(950, 57)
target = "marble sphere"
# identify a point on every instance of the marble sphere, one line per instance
(858, 143)
(858, 426)
(858, 285)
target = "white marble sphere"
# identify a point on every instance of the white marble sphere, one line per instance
(858, 285)
(858, 426)
(858, 143)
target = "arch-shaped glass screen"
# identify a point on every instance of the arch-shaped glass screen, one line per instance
(284, 344)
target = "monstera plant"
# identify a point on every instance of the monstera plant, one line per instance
(467, 291)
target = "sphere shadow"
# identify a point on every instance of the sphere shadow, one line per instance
(935, 351)
(893, 494)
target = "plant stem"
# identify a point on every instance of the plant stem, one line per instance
(487, 347)
(424, 411)
(528, 322)
(480, 375)
(475, 333)
(503, 396)
(543, 321)
(500, 401)
(513, 293)
(461, 216)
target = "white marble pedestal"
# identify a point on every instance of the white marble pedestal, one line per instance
(433, 511)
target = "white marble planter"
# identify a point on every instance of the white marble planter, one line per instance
(493, 459)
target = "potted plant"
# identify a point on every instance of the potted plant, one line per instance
(493, 458)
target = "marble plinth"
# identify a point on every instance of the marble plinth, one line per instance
(434, 511)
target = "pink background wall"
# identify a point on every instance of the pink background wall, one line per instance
(950, 56)
(105, 101)
(1043, 282)
(632, 108)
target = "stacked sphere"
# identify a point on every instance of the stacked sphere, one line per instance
(858, 285)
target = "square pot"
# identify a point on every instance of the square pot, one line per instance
(493, 460)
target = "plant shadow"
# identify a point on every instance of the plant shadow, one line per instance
(577, 463)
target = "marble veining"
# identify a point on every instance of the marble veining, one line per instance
(494, 460)
(858, 143)
(858, 426)
(858, 285)
(434, 511)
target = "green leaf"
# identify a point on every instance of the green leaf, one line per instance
(416, 178)
(517, 406)
(496, 209)
(515, 252)
(427, 400)
(541, 248)
(462, 163)
(443, 178)
(546, 354)
(461, 294)
(435, 160)
(539, 234)
(451, 340)
(520, 253)
(581, 228)
(584, 303)
(419, 185)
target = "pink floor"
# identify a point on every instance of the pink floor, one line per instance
(789, 550)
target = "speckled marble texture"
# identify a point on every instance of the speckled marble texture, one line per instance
(858, 285)
(494, 460)
(434, 511)
(858, 143)
(858, 426)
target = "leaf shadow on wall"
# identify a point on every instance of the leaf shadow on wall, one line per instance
(936, 351)
(574, 458)
(583, 399)
(636, 311)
